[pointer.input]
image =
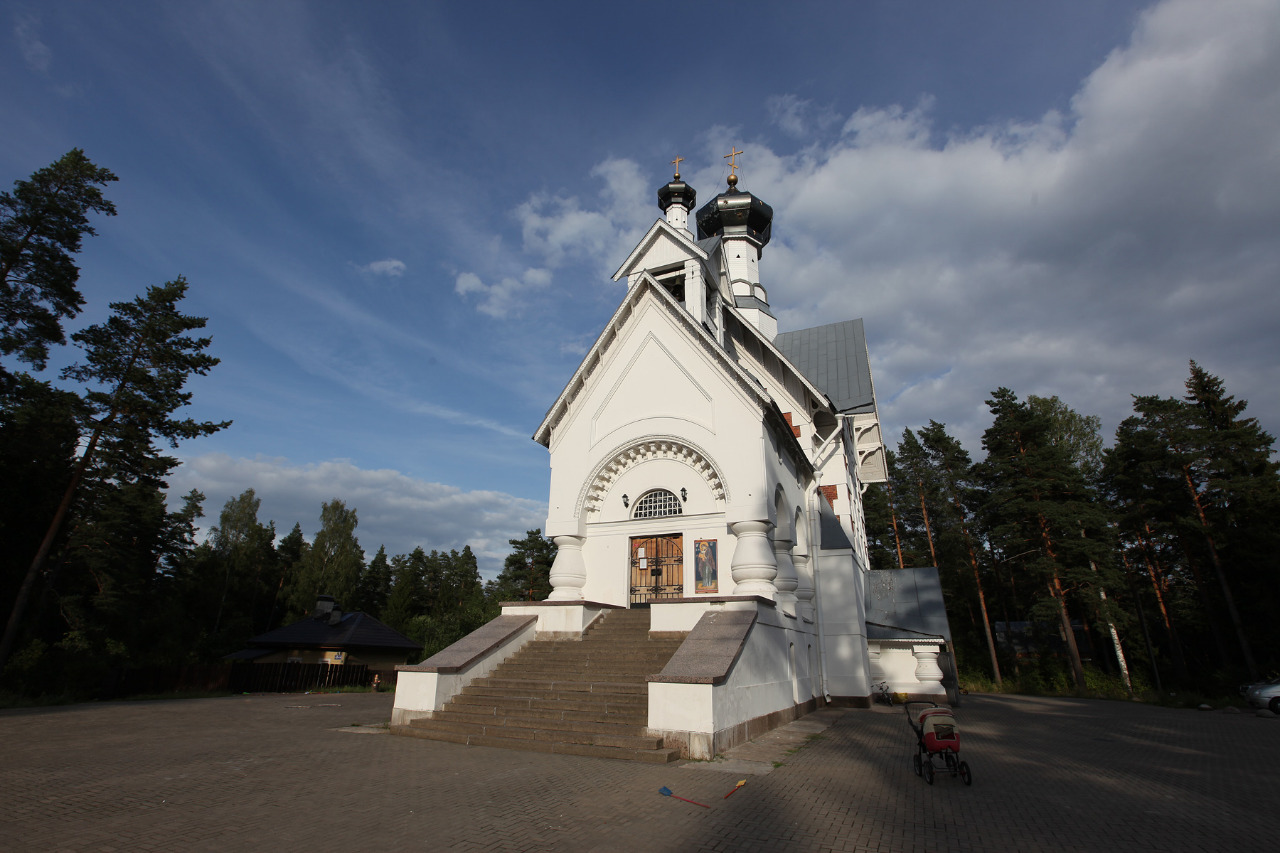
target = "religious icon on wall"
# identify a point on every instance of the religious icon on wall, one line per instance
(704, 565)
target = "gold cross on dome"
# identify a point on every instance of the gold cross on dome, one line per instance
(732, 157)
(676, 163)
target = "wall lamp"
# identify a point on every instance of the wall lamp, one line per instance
(626, 502)
(684, 494)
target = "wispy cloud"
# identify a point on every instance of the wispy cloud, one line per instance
(504, 298)
(389, 267)
(26, 32)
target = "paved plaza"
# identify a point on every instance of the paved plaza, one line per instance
(307, 772)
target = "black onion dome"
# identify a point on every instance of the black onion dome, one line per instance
(677, 192)
(735, 212)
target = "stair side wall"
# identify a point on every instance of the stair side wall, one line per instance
(421, 693)
(768, 686)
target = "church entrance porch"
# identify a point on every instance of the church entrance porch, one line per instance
(657, 568)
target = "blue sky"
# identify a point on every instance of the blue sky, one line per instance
(401, 218)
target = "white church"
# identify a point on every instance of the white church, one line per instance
(707, 475)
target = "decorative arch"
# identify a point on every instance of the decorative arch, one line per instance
(625, 457)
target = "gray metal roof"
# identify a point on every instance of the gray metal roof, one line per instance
(906, 603)
(834, 358)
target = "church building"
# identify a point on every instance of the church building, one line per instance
(707, 475)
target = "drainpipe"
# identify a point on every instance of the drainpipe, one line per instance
(815, 545)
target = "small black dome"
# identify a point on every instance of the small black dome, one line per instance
(677, 192)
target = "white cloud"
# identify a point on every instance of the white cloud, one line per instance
(561, 229)
(797, 117)
(394, 510)
(1088, 254)
(34, 51)
(505, 298)
(389, 267)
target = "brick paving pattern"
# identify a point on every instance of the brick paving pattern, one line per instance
(271, 772)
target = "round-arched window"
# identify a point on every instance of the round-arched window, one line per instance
(657, 504)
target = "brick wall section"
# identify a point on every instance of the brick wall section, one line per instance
(795, 430)
(829, 492)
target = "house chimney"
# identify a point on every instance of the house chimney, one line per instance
(336, 615)
(324, 607)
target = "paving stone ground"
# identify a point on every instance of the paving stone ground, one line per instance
(283, 773)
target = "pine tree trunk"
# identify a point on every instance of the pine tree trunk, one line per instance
(927, 532)
(1222, 578)
(1158, 584)
(42, 554)
(893, 517)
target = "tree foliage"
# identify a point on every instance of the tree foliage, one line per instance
(1159, 549)
(526, 573)
(42, 223)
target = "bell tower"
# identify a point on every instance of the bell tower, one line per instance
(742, 222)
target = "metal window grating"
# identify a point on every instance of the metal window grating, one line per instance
(657, 504)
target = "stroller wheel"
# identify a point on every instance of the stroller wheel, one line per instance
(965, 774)
(928, 772)
(915, 764)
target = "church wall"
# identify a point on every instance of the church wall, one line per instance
(656, 392)
(842, 616)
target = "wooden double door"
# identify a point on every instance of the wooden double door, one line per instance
(657, 568)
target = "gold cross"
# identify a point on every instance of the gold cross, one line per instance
(676, 163)
(732, 157)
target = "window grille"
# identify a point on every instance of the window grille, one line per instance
(657, 504)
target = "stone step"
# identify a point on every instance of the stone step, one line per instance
(585, 697)
(549, 690)
(636, 714)
(581, 702)
(558, 674)
(654, 756)
(568, 685)
(535, 719)
(639, 668)
(556, 734)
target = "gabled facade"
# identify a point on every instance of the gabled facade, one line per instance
(710, 470)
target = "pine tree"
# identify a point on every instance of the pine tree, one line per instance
(374, 585)
(526, 573)
(135, 368)
(953, 473)
(42, 223)
(1037, 503)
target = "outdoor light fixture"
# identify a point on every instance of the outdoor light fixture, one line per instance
(626, 502)
(684, 494)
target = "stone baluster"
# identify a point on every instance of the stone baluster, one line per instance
(569, 571)
(786, 580)
(928, 673)
(804, 585)
(753, 567)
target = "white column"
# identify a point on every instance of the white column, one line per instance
(753, 567)
(786, 581)
(569, 571)
(804, 585)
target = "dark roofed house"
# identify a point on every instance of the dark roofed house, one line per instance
(331, 636)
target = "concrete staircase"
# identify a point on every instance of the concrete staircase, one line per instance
(578, 697)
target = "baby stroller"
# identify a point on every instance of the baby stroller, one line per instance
(937, 740)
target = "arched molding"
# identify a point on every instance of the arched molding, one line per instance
(626, 456)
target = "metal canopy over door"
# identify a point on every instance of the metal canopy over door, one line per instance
(657, 567)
